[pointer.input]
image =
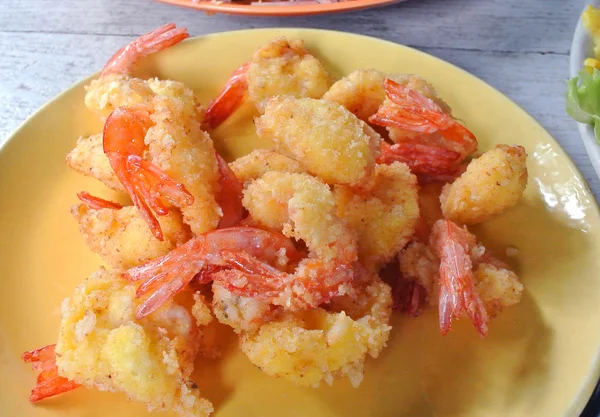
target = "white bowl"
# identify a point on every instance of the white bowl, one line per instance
(581, 48)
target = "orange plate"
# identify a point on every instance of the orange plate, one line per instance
(279, 10)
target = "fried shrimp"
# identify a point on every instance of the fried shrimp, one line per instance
(316, 345)
(492, 184)
(427, 137)
(327, 140)
(101, 345)
(163, 159)
(303, 208)
(362, 91)
(460, 275)
(281, 67)
(123, 239)
(384, 217)
(260, 161)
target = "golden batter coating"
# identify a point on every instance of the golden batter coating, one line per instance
(492, 184)
(328, 140)
(122, 237)
(285, 67)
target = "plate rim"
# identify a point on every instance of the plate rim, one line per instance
(589, 384)
(272, 11)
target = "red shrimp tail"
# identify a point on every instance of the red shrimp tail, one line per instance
(422, 159)
(97, 203)
(401, 119)
(230, 196)
(162, 278)
(219, 251)
(229, 99)
(457, 285)
(458, 133)
(148, 186)
(244, 283)
(410, 111)
(157, 184)
(162, 294)
(49, 383)
(161, 38)
(476, 311)
(446, 312)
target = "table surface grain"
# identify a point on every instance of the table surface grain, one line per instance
(519, 47)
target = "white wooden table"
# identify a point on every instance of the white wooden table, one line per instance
(518, 46)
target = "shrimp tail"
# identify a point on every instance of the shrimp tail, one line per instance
(97, 203)
(457, 288)
(413, 111)
(243, 248)
(458, 133)
(230, 196)
(229, 99)
(158, 184)
(123, 143)
(49, 382)
(422, 159)
(252, 278)
(161, 38)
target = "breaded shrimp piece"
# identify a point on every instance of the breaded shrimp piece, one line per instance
(88, 158)
(362, 91)
(496, 285)
(101, 345)
(180, 148)
(259, 162)
(243, 314)
(492, 184)
(318, 345)
(328, 140)
(302, 207)
(384, 217)
(285, 67)
(122, 237)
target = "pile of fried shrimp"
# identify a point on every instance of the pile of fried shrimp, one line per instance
(284, 245)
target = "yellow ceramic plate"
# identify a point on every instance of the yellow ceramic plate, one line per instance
(539, 360)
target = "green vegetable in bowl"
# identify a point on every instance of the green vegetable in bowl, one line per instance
(583, 99)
